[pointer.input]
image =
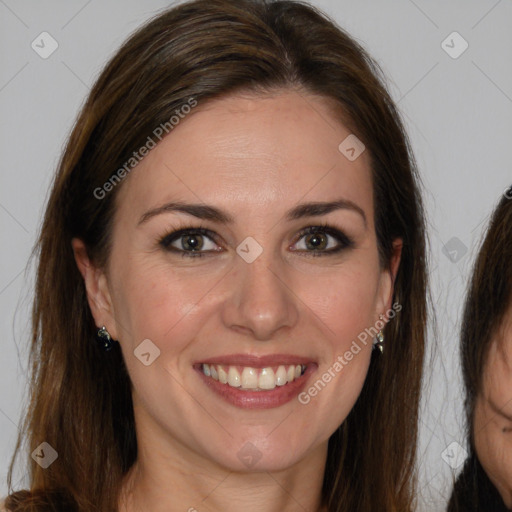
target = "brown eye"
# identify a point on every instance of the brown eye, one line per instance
(192, 242)
(317, 241)
(323, 240)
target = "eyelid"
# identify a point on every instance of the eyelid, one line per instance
(178, 233)
(344, 241)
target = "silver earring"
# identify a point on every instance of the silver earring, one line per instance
(379, 342)
(104, 339)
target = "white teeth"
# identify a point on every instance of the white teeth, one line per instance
(234, 377)
(254, 378)
(223, 376)
(249, 378)
(281, 376)
(267, 379)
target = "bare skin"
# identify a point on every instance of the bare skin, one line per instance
(255, 158)
(493, 414)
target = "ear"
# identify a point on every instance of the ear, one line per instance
(96, 285)
(388, 277)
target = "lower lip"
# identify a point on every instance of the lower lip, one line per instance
(266, 399)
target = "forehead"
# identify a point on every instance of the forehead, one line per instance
(251, 151)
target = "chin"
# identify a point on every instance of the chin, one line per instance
(262, 454)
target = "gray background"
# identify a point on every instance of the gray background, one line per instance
(458, 112)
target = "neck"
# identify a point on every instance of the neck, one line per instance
(265, 492)
(169, 480)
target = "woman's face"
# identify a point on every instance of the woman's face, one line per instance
(251, 299)
(493, 414)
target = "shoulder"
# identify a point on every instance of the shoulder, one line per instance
(2, 505)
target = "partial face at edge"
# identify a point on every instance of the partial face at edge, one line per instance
(306, 298)
(493, 413)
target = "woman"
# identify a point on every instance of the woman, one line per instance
(235, 218)
(486, 350)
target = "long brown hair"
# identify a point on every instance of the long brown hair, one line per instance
(81, 398)
(488, 298)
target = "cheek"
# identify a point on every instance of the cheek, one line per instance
(154, 302)
(170, 306)
(493, 448)
(490, 443)
(345, 301)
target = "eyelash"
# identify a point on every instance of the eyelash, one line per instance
(344, 241)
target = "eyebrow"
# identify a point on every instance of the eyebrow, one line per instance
(207, 212)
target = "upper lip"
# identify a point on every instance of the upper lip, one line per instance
(255, 361)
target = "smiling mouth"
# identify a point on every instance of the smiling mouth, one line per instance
(253, 379)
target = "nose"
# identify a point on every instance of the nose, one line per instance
(260, 302)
